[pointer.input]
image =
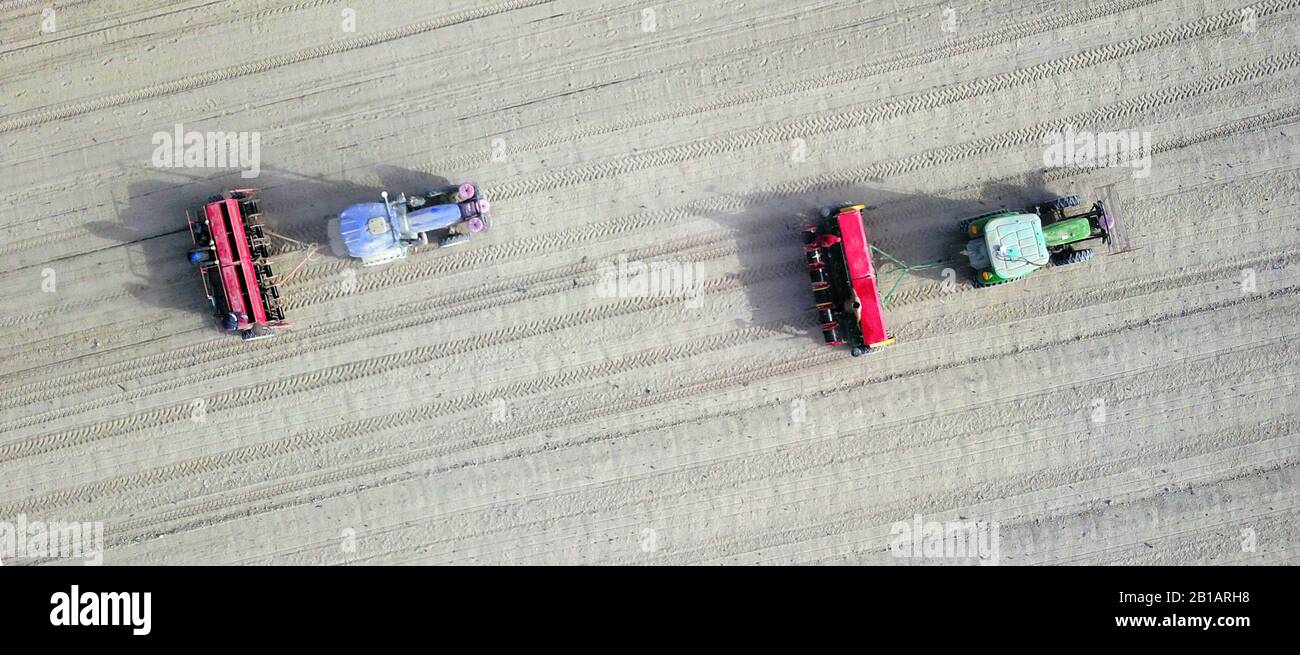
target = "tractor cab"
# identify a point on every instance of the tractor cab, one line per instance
(1007, 246)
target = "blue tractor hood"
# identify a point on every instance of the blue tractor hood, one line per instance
(367, 230)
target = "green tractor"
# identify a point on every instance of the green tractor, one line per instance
(1006, 245)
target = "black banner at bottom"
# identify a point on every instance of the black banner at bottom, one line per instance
(168, 607)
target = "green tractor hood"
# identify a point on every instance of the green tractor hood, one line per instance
(1067, 231)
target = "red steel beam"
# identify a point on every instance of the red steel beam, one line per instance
(225, 259)
(254, 298)
(862, 275)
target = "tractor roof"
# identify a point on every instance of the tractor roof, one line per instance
(1015, 244)
(355, 222)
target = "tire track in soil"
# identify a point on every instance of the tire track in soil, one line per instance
(887, 67)
(1242, 435)
(201, 80)
(1284, 116)
(651, 220)
(1003, 489)
(1202, 529)
(296, 343)
(950, 154)
(875, 114)
(903, 62)
(24, 198)
(357, 370)
(626, 499)
(952, 50)
(603, 14)
(1112, 296)
(879, 518)
(1244, 438)
(593, 173)
(954, 93)
(1125, 387)
(1118, 379)
(326, 436)
(721, 383)
(624, 365)
(424, 102)
(93, 30)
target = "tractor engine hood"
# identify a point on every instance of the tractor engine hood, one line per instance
(1015, 245)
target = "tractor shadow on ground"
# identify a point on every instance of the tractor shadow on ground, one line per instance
(151, 216)
(300, 207)
(916, 228)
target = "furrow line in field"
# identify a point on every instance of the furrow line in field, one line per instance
(93, 30)
(956, 93)
(296, 384)
(721, 383)
(1194, 474)
(234, 72)
(854, 520)
(314, 338)
(1283, 116)
(993, 38)
(727, 472)
(324, 436)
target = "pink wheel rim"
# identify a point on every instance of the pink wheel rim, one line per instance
(466, 191)
(484, 206)
(476, 225)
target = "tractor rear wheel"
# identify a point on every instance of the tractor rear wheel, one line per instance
(1065, 203)
(1072, 257)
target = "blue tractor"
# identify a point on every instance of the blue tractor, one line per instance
(382, 232)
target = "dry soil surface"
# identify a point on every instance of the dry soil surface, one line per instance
(496, 403)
